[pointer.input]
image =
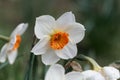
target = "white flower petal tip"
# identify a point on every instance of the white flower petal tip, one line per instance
(74, 75)
(2, 59)
(50, 58)
(20, 29)
(3, 53)
(111, 73)
(92, 75)
(33, 51)
(41, 47)
(58, 73)
(66, 18)
(12, 56)
(45, 18)
(44, 26)
(76, 32)
(57, 66)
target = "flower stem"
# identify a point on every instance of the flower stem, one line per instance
(31, 67)
(4, 38)
(44, 70)
(92, 61)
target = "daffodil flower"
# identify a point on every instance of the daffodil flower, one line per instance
(92, 75)
(108, 72)
(57, 72)
(105, 73)
(58, 38)
(9, 50)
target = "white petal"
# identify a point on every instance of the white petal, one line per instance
(66, 19)
(12, 56)
(55, 72)
(41, 47)
(3, 53)
(76, 32)
(92, 75)
(69, 51)
(111, 73)
(20, 29)
(74, 76)
(12, 42)
(44, 26)
(50, 57)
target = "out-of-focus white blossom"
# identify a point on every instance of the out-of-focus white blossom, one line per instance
(9, 50)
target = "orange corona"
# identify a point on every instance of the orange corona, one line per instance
(59, 40)
(17, 43)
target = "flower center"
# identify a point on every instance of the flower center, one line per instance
(17, 43)
(59, 40)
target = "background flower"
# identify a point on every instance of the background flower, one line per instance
(9, 50)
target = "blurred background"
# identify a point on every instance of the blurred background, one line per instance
(101, 19)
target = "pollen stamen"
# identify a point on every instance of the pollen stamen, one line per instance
(59, 40)
(17, 43)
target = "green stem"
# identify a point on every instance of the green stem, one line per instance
(44, 70)
(31, 67)
(4, 38)
(35, 68)
(92, 61)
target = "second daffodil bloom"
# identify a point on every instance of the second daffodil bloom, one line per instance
(9, 50)
(58, 38)
(92, 75)
(57, 72)
(105, 73)
(108, 72)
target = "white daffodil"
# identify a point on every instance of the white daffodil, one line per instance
(109, 73)
(58, 38)
(10, 49)
(57, 72)
(92, 75)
